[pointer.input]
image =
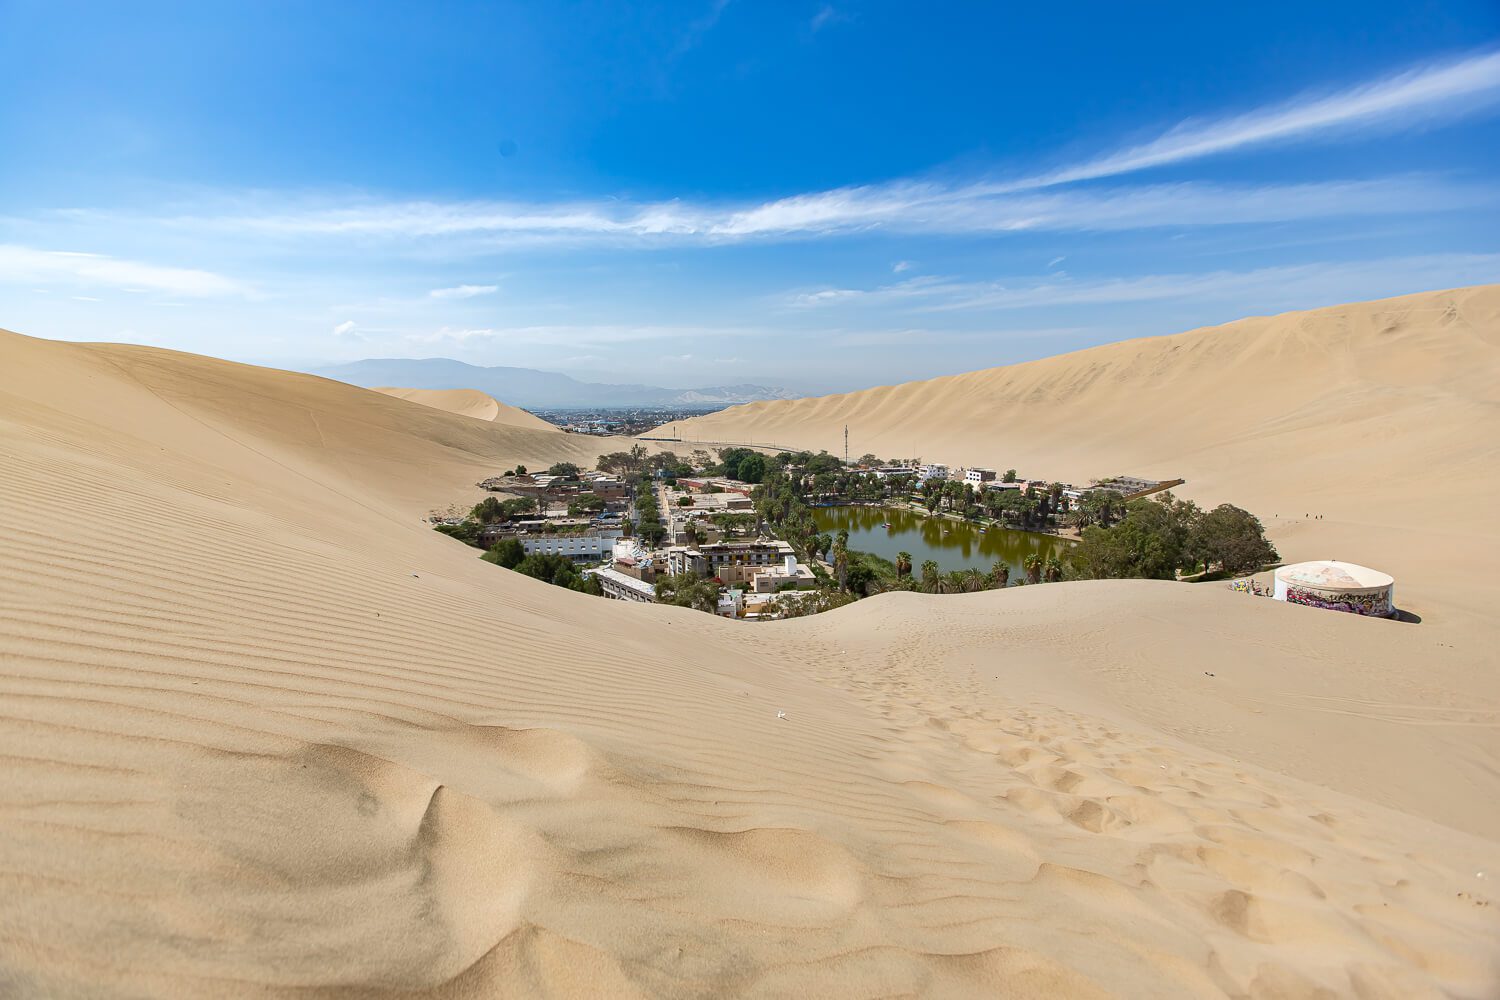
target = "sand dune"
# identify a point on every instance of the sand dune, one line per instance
(471, 403)
(265, 733)
(1384, 417)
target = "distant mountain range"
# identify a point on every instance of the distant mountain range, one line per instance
(537, 389)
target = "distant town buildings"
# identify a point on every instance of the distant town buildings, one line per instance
(979, 476)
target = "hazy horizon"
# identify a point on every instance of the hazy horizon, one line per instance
(823, 197)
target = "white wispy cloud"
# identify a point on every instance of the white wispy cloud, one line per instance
(28, 265)
(901, 265)
(463, 291)
(347, 330)
(1414, 96)
(1319, 283)
(910, 207)
(825, 16)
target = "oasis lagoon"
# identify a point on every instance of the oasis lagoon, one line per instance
(953, 545)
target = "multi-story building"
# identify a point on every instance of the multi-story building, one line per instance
(621, 586)
(788, 572)
(730, 562)
(594, 545)
(979, 476)
(932, 472)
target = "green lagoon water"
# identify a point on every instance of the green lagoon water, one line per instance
(951, 544)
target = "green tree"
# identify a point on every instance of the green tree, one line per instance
(1150, 542)
(860, 579)
(903, 564)
(466, 531)
(1009, 477)
(841, 559)
(1053, 571)
(585, 503)
(488, 511)
(930, 576)
(688, 590)
(825, 545)
(563, 469)
(507, 552)
(1000, 574)
(1233, 538)
(1033, 566)
(752, 469)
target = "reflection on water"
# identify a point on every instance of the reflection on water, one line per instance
(951, 544)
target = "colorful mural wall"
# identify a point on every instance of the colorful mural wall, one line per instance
(1377, 603)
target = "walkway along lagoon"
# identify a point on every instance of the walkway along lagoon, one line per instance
(953, 545)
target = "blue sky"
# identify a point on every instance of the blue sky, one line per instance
(818, 195)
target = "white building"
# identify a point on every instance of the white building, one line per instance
(932, 472)
(773, 578)
(580, 546)
(731, 603)
(1337, 586)
(979, 476)
(621, 587)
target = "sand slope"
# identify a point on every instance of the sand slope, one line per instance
(265, 733)
(1382, 416)
(471, 403)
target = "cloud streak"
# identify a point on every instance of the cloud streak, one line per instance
(903, 207)
(1318, 282)
(462, 291)
(1410, 97)
(28, 265)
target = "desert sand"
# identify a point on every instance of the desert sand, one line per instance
(471, 403)
(266, 734)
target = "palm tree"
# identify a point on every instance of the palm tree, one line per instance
(973, 581)
(841, 564)
(1033, 567)
(930, 576)
(951, 583)
(1000, 575)
(903, 563)
(1054, 569)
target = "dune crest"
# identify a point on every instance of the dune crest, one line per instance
(1378, 417)
(470, 403)
(266, 733)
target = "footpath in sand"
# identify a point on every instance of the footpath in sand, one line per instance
(266, 733)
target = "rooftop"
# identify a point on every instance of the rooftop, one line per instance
(628, 582)
(1330, 574)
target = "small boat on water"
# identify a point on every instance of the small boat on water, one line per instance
(886, 524)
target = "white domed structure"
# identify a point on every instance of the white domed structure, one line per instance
(1337, 586)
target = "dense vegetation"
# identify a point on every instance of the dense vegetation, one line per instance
(688, 590)
(556, 570)
(1157, 538)
(648, 525)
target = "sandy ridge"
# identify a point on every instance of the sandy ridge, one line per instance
(470, 403)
